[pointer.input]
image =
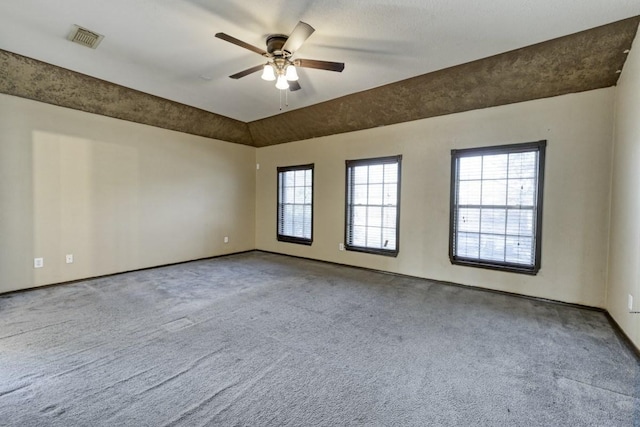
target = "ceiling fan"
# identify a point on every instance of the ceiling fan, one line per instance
(280, 65)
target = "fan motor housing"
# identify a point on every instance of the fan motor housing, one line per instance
(275, 43)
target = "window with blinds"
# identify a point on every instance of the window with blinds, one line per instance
(295, 204)
(372, 205)
(496, 206)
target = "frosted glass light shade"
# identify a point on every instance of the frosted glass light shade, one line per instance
(291, 73)
(268, 74)
(282, 83)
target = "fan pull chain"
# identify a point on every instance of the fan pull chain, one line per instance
(286, 98)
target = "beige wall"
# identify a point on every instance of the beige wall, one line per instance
(624, 254)
(118, 195)
(123, 196)
(578, 128)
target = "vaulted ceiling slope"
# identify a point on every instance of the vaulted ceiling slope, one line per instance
(583, 61)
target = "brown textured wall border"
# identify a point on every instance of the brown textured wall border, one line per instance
(575, 63)
(583, 61)
(32, 79)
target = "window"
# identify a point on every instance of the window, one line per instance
(372, 205)
(295, 204)
(496, 206)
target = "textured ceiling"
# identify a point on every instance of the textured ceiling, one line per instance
(167, 48)
(32, 79)
(39, 63)
(586, 60)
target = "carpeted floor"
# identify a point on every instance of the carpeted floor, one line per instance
(260, 339)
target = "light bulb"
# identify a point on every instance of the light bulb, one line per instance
(291, 73)
(282, 83)
(268, 74)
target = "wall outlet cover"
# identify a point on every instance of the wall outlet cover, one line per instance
(69, 258)
(38, 262)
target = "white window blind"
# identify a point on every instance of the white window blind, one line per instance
(372, 201)
(496, 206)
(295, 204)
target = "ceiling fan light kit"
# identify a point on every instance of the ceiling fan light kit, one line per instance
(286, 73)
(280, 50)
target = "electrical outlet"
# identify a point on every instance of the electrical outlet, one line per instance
(630, 302)
(38, 262)
(226, 239)
(69, 258)
(341, 246)
(257, 166)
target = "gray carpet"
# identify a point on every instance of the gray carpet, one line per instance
(260, 339)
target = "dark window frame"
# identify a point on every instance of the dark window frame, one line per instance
(284, 237)
(540, 147)
(348, 212)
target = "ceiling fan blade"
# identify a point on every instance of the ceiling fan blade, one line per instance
(247, 71)
(293, 86)
(252, 48)
(320, 65)
(300, 33)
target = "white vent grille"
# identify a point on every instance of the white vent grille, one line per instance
(85, 37)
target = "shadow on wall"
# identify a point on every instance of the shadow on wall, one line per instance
(85, 202)
(16, 208)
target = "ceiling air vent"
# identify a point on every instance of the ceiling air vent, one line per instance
(85, 37)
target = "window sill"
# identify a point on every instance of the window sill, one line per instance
(297, 240)
(391, 253)
(509, 268)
